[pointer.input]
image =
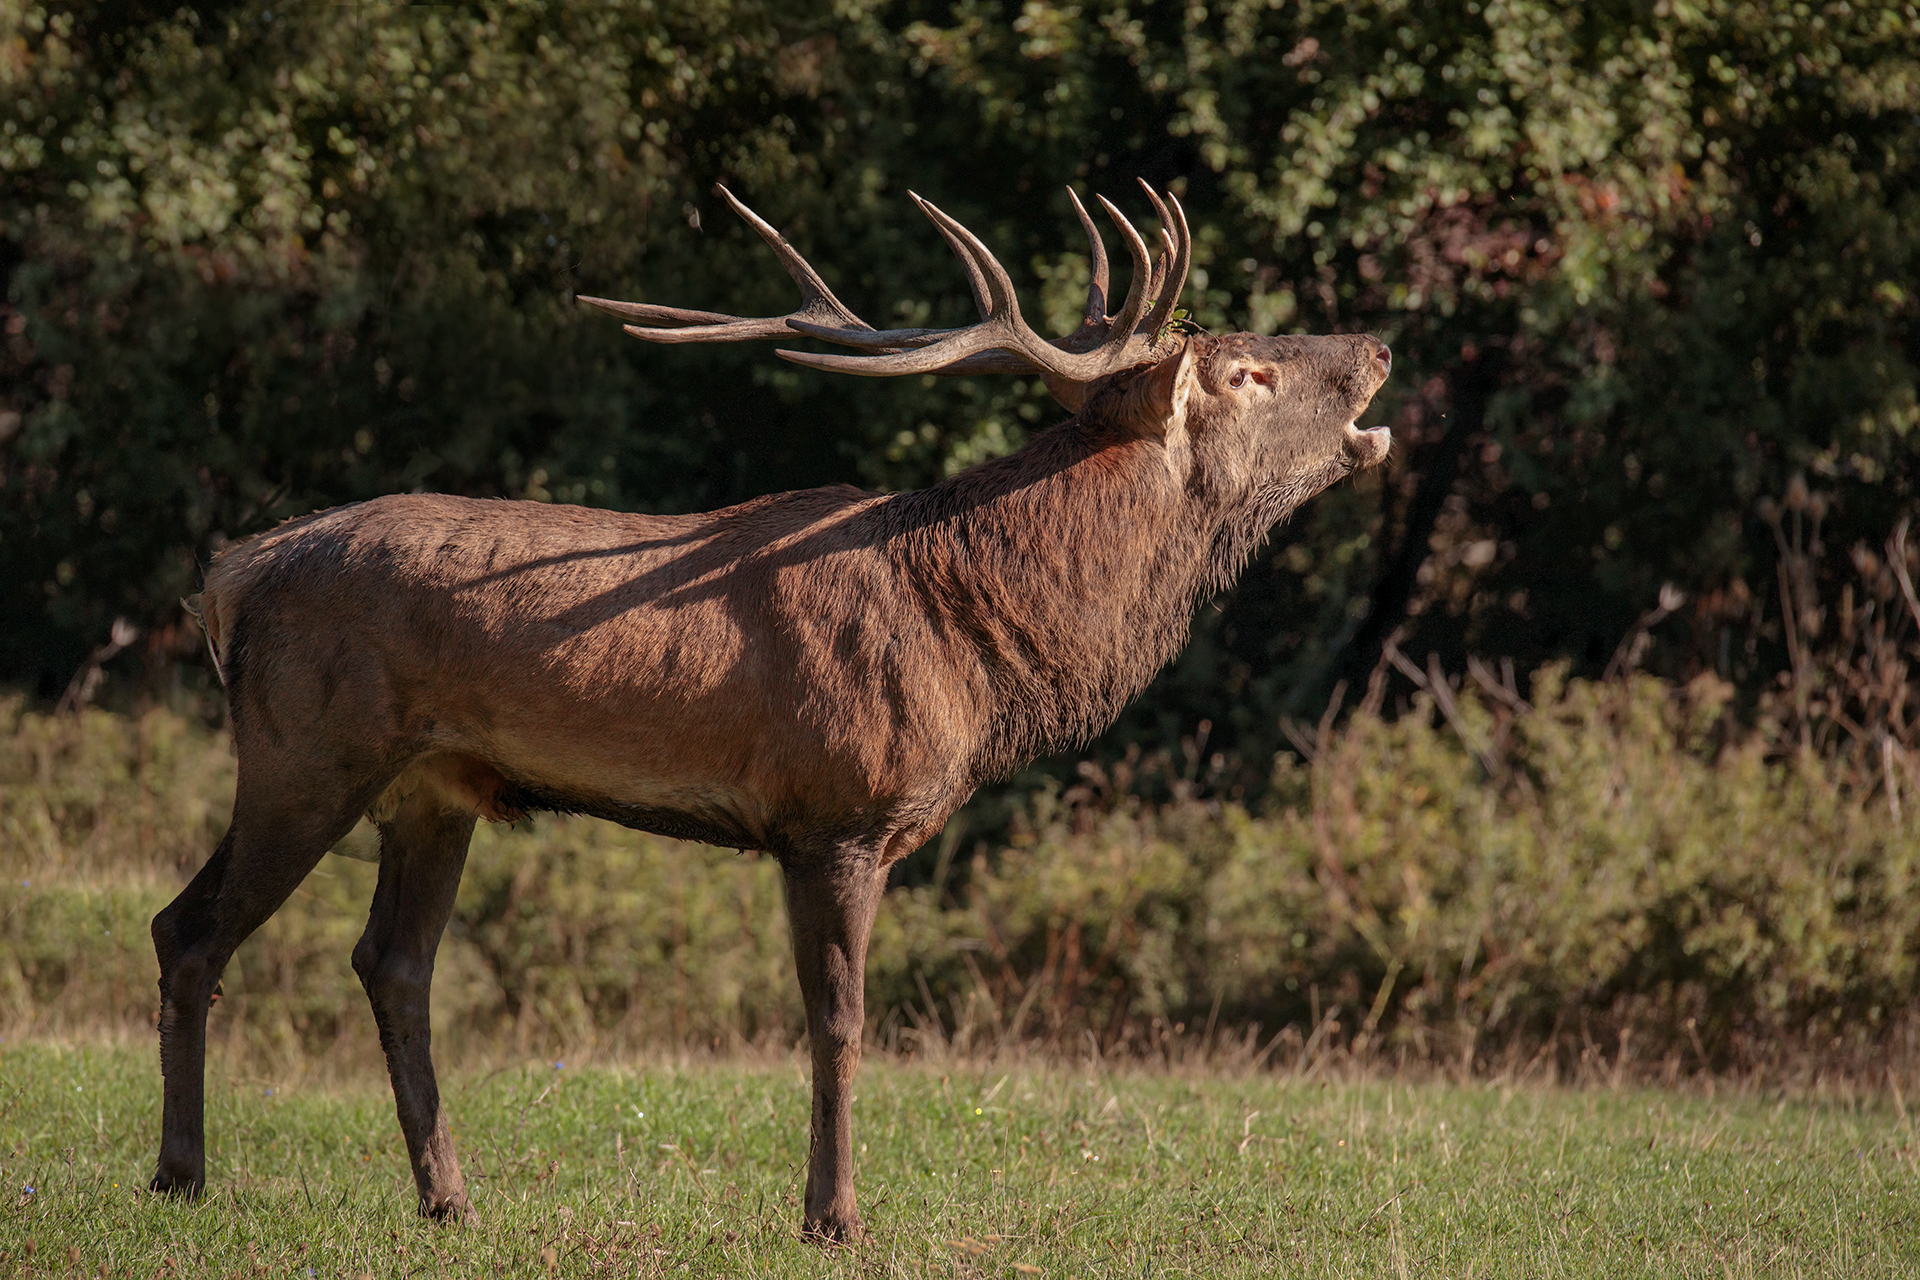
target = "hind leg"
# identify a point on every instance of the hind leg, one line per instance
(423, 849)
(269, 849)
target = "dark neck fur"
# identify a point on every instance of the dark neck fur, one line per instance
(1071, 568)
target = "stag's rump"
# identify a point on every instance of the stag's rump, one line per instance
(523, 655)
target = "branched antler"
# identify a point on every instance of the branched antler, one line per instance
(818, 305)
(1002, 341)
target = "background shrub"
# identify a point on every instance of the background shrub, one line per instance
(1597, 872)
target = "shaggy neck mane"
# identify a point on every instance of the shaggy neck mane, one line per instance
(1071, 569)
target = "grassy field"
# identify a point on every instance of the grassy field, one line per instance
(693, 1169)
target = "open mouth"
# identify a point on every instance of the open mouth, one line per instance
(1369, 447)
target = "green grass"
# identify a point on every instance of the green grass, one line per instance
(694, 1169)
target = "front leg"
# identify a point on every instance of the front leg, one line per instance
(831, 904)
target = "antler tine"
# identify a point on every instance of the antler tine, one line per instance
(1097, 287)
(1006, 330)
(696, 326)
(647, 311)
(1001, 328)
(1170, 273)
(993, 294)
(817, 303)
(999, 285)
(1095, 321)
(993, 335)
(813, 290)
(1156, 285)
(993, 291)
(1137, 288)
(1161, 263)
(1183, 238)
(982, 297)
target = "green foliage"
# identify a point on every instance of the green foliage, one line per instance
(584, 939)
(1621, 872)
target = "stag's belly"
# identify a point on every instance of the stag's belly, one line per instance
(470, 783)
(730, 762)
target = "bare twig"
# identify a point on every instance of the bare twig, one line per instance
(1405, 667)
(1633, 645)
(86, 681)
(513, 1143)
(1495, 688)
(1897, 557)
(1323, 736)
(1788, 605)
(1887, 748)
(1388, 1203)
(1433, 682)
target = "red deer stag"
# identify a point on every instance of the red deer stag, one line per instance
(824, 675)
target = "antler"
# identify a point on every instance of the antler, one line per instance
(1002, 342)
(818, 305)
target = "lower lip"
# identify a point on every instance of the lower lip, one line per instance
(1371, 445)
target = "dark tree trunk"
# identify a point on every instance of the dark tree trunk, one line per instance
(1438, 466)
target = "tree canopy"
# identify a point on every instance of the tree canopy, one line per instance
(1649, 272)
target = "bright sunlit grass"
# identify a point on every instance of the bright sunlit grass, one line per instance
(695, 1169)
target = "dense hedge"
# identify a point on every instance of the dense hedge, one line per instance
(1608, 870)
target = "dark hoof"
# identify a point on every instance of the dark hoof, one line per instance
(454, 1211)
(177, 1186)
(839, 1233)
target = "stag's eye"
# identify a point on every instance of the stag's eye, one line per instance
(1239, 378)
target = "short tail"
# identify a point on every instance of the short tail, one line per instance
(213, 621)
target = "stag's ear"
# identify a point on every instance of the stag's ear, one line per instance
(1154, 401)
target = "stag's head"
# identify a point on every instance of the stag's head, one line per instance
(1254, 422)
(1251, 421)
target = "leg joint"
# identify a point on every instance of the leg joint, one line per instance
(841, 1026)
(391, 973)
